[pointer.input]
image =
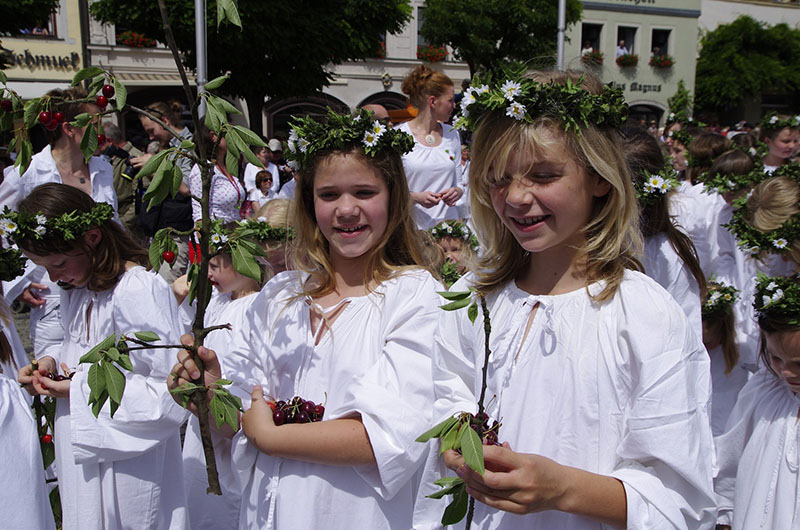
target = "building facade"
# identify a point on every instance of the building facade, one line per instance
(664, 30)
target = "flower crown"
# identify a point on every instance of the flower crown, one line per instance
(752, 240)
(772, 122)
(525, 100)
(721, 298)
(655, 185)
(681, 136)
(455, 229)
(725, 183)
(12, 264)
(17, 226)
(247, 232)
(778, 296)
(340, 132)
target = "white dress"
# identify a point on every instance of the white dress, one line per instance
(619, 388)
(45, 329)
(665, 266)
(433, 169)
(208, 511)
(123, 472)
(250, 172)
(725, 389)
(375, 362)
(758, 485)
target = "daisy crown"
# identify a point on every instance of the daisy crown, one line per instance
(778, 297)
(17, 226)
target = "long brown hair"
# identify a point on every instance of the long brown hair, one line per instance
(643, 154)
(106, 259)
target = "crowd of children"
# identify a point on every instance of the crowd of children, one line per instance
(642, 357)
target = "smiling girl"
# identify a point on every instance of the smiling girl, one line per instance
(349, 329)
(600, 383)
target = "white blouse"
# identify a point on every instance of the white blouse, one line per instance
(374, 361)
(758, 485)
(619, 388)
(225, 197)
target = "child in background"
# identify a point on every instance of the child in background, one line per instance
(278, 214)
(457, 243)
(263, 191)
(601, 385)
(758, 457)
(780, 133)
(125, 471)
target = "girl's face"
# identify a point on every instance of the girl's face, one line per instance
(444, 104)
(452, 248)
(545, 202)
(72, 268)
(783, 144)
(155, 131)
(223, 276)
(678, 153)
(265, 185)
(783, 348)
(351, 203)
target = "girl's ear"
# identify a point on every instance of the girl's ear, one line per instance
(601, 187)
(92, 237)
(431, 101)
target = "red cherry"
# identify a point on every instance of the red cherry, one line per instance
(51, 125)
(47, 439)
(45, 117)
(102, 101)
(108, 91)
(6, 105)
(319, 411)
(168, 256)
(59, 117)
(279, 417)
(101, 139)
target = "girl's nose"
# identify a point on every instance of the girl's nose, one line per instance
(517, 194)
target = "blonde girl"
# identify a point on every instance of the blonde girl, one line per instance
(600, 383)
(349, 329)
(278, 213)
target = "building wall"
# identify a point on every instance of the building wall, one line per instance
(717, 12)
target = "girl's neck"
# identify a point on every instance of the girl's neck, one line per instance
(241, 293)
(68, 159)
(424, 123)
(348, 277)
(553, 272)
(772, 160)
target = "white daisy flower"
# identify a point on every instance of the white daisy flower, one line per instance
(727, 297)
(481, 89)
(223, 238)
(773, 120)
(671, 116)
(771, 286)
(357, 117)
(715, 296)
(8, 226)
(777, 295)
(465, 237)
(796, 120)
(378, 128)
(41, 219)
(215, 239)
(468, 99)
(766, 300)
(291, 144)
(261, 219)
(753, 151)
(780, 243)
(510, 90)
(516, 111)
(370, 139)
(302, 145)
(731, 185)
(449, 229)
(753, 250)
(40, 230)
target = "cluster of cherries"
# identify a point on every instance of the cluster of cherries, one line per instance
(296, 410)
(489, 433)
(51, 120)
(6, 105)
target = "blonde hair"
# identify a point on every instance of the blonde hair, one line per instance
(772, 203)
(613, 241)
(422, 82)
(399, 248)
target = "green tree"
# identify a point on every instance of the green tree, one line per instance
(681, 102)
(284, 49)
(742, 59)
(485, 33)
(22, 14)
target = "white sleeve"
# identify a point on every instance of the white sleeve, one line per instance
(147, 415)
(250, 172)
(11, 189)
(196, 188)
(394, 395)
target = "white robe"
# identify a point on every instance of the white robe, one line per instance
(665, 266)
(725, 389)
(123, 472)
(619, 388)
(207, 511)
(758, 485)
(375, 362)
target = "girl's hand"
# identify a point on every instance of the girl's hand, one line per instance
(45, 386)
(513, 482)
(257, 422)
(186, 370)
(25, 374)
(426, 199)
(451, 195)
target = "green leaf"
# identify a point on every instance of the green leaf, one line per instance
(86, 73)
(89, 141)
(245, 263)
(98, 404)
(24, 156)
(458, 304)
(48, 454)
(115, 381)
(223, 382)
(249, 136)
(125, 361)
(226, 10)
(232, 162)
(113, 408)
(113, 354)
(159, 187)
(93, 355)
(224, 106)
(472, 449)
(177, 180)
(97, 382)
(451, 489)
(188, 145)
(454, 295)
(4, 80)
(217, 409)
(472, 312)
(82, 119)
(120, 94)
(457, 509)
(32, 110)
(147, 336)
(216, 82)
(215, 118)
(96, 84)
(449, 439)
(153, 163)
(447, 481)
(438, 430)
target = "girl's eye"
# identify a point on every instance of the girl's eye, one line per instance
(499, 181)
(327, 195)
(365, 193)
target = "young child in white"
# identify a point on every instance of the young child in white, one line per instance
(125, 471)
(350, 329)
(600, 383)
(759, 454)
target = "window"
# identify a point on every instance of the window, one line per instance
(46, 27)
(590, 36)
(626, 39)
(420, 20)
(659, 41)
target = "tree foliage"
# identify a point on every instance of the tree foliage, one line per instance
(484, 33)
(283, 50)
(680, 103)
(16, 15)
(744, 58)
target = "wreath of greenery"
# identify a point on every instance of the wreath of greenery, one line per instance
(778, 297)
(12, 264)
(455, 229)
(772, 122)
(17, 226)
(721, 298)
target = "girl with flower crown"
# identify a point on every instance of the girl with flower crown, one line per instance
(600, 383)
(118, 472)
(758, 455)
(781, 134)
(349, 330)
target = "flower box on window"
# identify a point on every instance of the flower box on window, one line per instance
(628, 59)
(432, 54)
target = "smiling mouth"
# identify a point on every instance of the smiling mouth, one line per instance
(529, 221)
(351, 229)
